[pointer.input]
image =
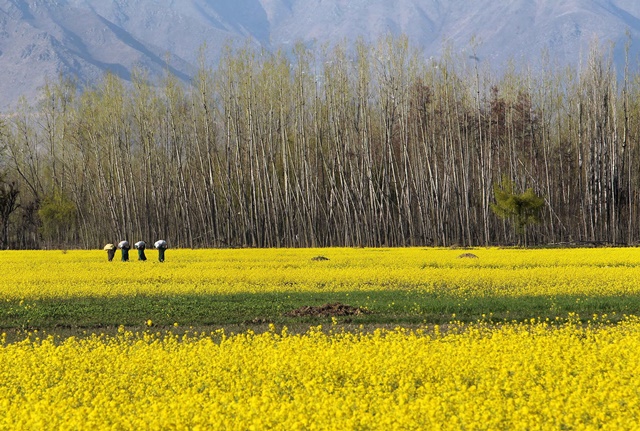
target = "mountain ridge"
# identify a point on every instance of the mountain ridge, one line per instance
(43, 39)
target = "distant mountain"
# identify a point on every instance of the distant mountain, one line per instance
(42, 39)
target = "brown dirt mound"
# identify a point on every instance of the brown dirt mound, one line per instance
(327, 310)
(467, 256)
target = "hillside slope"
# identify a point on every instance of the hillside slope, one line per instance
(41, 39)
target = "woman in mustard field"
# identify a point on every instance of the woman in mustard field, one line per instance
(111, 251)
(140, 246)
(124, 248)
(161, 246)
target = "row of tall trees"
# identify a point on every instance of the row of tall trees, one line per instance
(364, 145)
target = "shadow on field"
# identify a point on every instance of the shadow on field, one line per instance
(250, 310)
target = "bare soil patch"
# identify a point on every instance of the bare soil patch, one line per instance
(467, 256)
(327, 310)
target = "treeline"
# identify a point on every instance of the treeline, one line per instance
(364, 145)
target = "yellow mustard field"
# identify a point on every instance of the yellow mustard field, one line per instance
(509, 272)
(514, 377)
(533, 375)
